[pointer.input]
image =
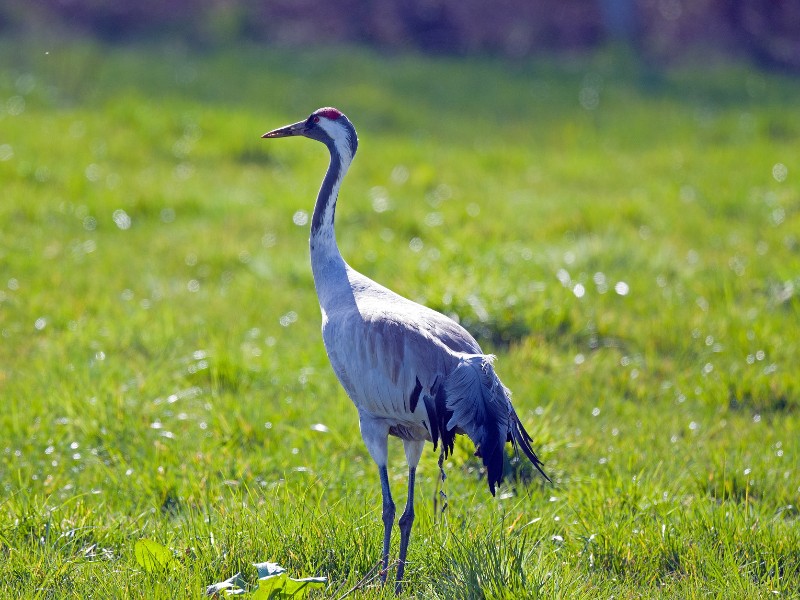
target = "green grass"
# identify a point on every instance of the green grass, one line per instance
(161, 369)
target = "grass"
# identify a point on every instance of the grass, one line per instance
(626, 241)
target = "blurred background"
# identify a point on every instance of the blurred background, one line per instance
(765, 31)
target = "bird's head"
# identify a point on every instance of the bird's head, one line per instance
(327, 125)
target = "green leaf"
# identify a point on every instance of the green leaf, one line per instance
(298, 588)
(151, 555)
(271, 587)
(276, 585)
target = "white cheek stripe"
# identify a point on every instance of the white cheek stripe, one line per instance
(341, 140)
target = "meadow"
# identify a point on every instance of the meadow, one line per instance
(626, 240)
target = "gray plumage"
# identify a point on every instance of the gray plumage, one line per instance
(410, 371)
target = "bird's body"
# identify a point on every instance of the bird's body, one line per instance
(381, 345)
(410, 371)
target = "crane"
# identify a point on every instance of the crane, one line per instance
(411, 372)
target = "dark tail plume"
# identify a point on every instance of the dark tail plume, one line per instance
(521, 439)
(480, 406)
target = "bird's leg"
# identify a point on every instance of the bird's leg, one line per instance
(413, 450)
(406, 522)
(376, 437)
(388, 519)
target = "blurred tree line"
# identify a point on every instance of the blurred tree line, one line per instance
(766, 30)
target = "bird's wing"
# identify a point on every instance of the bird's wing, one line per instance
(386, 359)
(377, 301)
(389, 352)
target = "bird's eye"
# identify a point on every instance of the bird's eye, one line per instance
(315, 119)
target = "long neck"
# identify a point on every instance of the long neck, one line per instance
(323, 236)
(327, 263)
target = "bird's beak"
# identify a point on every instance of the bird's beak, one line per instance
(298, 128)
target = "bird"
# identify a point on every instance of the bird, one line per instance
(412, 373)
